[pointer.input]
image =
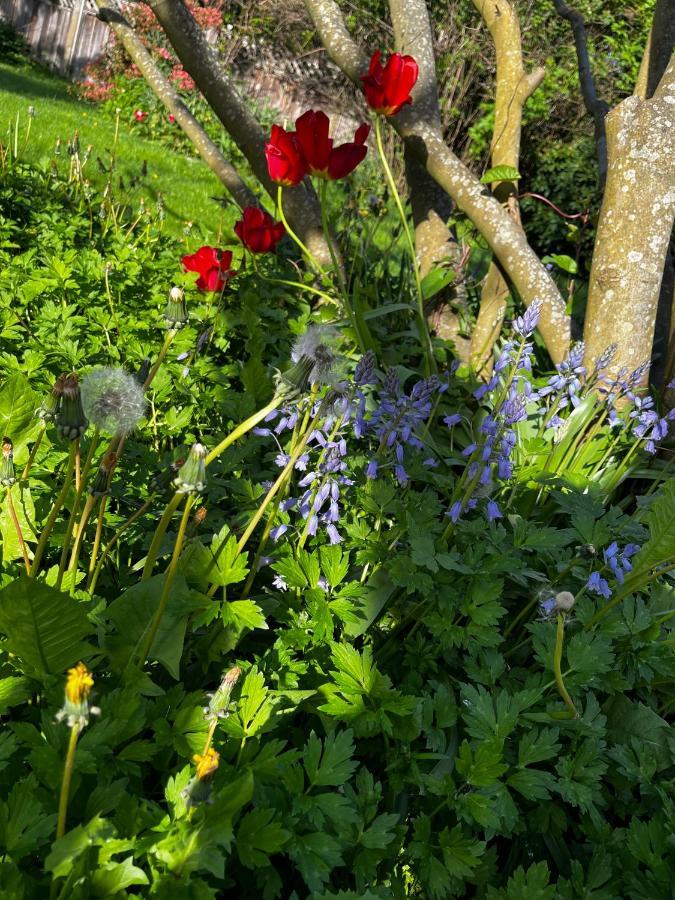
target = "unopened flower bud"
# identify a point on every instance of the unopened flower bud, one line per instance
(7, 473)
(50, 405)
(175, 313)
(191, 477)
(71, 422)
(219, 701)
(101, 483)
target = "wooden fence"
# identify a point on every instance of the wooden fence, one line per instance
(64, 34)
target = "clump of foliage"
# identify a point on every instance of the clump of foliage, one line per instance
(291, 605)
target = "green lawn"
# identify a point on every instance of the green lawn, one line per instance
(185, 183)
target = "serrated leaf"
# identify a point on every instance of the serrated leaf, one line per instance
(335, 765)
(661, 521)
(258, 836)
(108, 880)
(24, 826)
(218, 563)
(334, 564)
(533, 784)
(44, 627)
(500, 173)
(460, 854)
(243, 614)
(526, 885)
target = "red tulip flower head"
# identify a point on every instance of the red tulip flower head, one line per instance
(171, 118)
(258, 231)
(139, 115)
(212, 265)
(387, 88)
(285, 161)
(321, 157)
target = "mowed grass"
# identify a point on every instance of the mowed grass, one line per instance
(147, 168)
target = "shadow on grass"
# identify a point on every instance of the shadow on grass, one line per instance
(33, 84)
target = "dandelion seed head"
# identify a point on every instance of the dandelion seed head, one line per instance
(113, 400)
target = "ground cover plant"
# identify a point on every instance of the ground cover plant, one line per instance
(294, 603)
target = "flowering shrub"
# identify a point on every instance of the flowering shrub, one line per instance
(290, 603)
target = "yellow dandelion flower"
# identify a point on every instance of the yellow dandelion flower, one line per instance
(207, 764)
(78, 684)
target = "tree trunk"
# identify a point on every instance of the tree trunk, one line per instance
(164, 90)
(634, 228)
(513, 86)
(301, 204)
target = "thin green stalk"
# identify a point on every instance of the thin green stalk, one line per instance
(315, 263)
(168, 583)
(96, 566)
(53, 515)
(79, 537)
(97, 535)
(423, 330)
(76, 504)
(631, 585)
(158, 536)
(33, 453)
(17, 528)
(297, 284)
(243, 428)
(557, 659)
(65, 782)
(170, 335)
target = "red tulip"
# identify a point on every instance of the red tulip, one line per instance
(322, 158)
(388, 89)
(212, 265)
(258, 231)
(139, 115)
(171, 118)
(285, 161)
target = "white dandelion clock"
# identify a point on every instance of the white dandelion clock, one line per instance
(113, 400)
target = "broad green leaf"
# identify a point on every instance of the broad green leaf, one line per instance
(500, 173)
(566, 263)
(334, 564)
(530, 885)
(243, 614)
(380, 832)
(24, 825)
(132, 612)
(254, 708)
(460, 854)
(18, 403)
(113, 877)
(482, 768)
(25, 514)
(13, 691)
(316, 855)
(217, 564)
(67, 849)
(435, 280)
(378, 591)
(533, 784)
(536, 746)
(44, 627)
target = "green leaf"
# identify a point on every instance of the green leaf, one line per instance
(18, 403)
(435, 280)
(24, 826)
(243, 614)
(659, 547)
(378, 591)
(132, 612)
(566, 263)
(380, 833)
(530, 885)
(13, 690)
(334, 564)
(336, 765)
(627, 719)
(316, 855)
(536, 746)
(254, 709)
(25, 513)
(291, 572)
(500, 173)
(533, 784)
(460, 854)
(218, 564)
(110, 879)
(43, 626)
(258, 836)
(66, 850)
(482, 768)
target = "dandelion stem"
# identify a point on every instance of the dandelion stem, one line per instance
(65, 782)
(97, 537)
(422, 328)
(243, 428)
(158, 536)
(53, 515)
(557, 659)
(168, 583)
(33, 453)
(96, 566)
(170, 335)
(17, 528)
(79, 535)
(79, 490)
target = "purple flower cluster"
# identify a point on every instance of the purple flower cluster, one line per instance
(648, 425)
(565, 387)
(618, 561)
(397, 420)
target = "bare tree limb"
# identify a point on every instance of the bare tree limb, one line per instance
(431, 206)
(634, 227)
(301, 204)
(209, 152)
(513, 86)
(595, 107)
(657, 52)
(504, 236)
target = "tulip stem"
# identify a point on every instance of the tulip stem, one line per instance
(313, 260)
(423, 330)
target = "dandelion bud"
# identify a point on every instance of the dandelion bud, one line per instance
(175, 312)
(191, 477)
(71, 422)
(220, 700)
(101, 483)
(7, 473)
(50, 406)
(113, 400)
(295, 380)
(160, 483)
(76, 709)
